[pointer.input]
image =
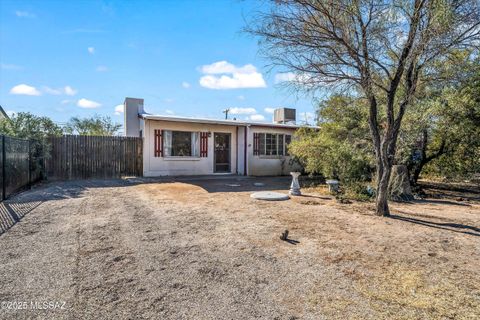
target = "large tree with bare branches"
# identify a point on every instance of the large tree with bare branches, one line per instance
(381, 50)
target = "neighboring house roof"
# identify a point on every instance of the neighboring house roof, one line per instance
(3, 114)
(148, 116)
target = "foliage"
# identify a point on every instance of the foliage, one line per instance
(441, 132)
(29, 126)
(382, 51)
(438, 136)
(341, 148)
(94, 126)
(359, 191)
(458, 127)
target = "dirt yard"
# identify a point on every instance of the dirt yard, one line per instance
(206, 250)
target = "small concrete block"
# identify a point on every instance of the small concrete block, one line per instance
(233, 185)
(269, 196)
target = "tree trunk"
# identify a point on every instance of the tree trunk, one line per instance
(383, 179)
(416, 173)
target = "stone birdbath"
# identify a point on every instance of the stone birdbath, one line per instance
(295, 186)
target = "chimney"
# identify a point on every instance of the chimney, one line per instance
(132, 108)
(284, 115)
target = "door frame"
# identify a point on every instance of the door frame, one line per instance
(229, 152)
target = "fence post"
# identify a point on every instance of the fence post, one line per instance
(29, 164)
(4, 189)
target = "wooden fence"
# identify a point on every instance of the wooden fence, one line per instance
(84, 157)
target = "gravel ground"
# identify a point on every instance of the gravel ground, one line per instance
(146, 249)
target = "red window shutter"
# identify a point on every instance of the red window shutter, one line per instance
(158, 141)
(203, 144)
(255, 143)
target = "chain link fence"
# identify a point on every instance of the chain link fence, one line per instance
(21, 164)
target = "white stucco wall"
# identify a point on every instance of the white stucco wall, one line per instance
(241, 151)
(268, 165)
(163, 166)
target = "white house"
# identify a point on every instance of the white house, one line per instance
(193, 146)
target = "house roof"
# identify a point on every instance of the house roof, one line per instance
(148, 116)
(3, 114)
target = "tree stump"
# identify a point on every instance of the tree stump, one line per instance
(399, 187)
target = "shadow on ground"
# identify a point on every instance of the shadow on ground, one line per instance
(14, 209)
(19, 205)
(450, 226)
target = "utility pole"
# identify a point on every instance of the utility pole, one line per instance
(226, 111)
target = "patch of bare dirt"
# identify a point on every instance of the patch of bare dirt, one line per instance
(203, 249)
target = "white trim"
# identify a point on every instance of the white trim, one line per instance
(173, 158)
(224, 122)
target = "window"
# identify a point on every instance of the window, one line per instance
(288, 139)
(181, 143)
(273, 144)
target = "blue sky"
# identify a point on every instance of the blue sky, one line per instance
(187, 58)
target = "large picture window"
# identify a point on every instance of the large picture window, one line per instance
(181, 143)
(273, 144)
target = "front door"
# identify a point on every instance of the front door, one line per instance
(222, 152)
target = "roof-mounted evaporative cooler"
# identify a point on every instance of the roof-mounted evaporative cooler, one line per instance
(284, 115)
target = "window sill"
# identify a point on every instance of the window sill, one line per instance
(271, 157)
(181, 158)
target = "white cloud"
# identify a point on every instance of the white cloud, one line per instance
(186, 85)
(69, 91)
(269, 110)
(119, 109)
(24, 89)
(51, 91)
(302, 78)
(87, 104)
(282, 77)
(242, 110)
(65, 101)
(168, 100)
(91, 50)
(24, 14)
(169, 111)
(256, 117)
(10, 66)
(221, 67)
(224, 75)
(101, 69)
(236, 81)
(241, 98)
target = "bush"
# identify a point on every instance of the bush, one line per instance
(324, 152)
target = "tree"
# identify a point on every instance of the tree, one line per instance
(29, 126)
(445, 122)
(94, 126)
(341, 149)
(380, 50)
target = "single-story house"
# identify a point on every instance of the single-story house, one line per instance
(194, 146)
